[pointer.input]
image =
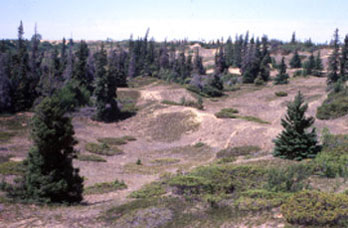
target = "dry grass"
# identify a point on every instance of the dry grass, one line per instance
(169, 127)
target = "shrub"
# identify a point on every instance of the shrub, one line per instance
(112, 141)
(105, 187)
(316, 208)
(335, 106)
(102, 149)
(298, 73)
(281, 94)
(288, 179)
(90, 157)
(227, 113)
(149, 191)
(237, 151)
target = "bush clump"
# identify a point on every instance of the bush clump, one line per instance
(105, 187)
(237, 151)
(281, 94)
(102, 149)
(316, 208)
(227, 113)
(90, 157)
(335, 106)
(149, 191)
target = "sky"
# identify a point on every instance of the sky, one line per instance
(176, 19)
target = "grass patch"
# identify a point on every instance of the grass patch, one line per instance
(199, 144)
(335, 106)
(102, 149)
(169, 127)
(165, 161)
(128, 100)
(227, 113)
(253, 119)
(149, 191)
(90, 157)
(237, 151)
(105, 187)
(281, 94)
(12, 168)
(15, 123)
(5, 137)
(116, 141)
(187, 103)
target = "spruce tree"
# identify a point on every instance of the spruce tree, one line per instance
(80, 71)
(318, 68)
(294, 142)
(333, 74)
(229, 52)
(220, 63)
(198, 67)
(105, 91)
(50, 175)
(344, 60)
(295, 61)
(293, 38)
(5, 86)
(282, 77)
(309, 65)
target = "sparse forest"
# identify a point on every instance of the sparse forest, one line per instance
(241, 132)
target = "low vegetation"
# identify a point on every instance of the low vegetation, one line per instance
(12, 168)
(187, 103)
(90, 157)
(102, 149)
(335, 106)
(238, 151)
(149, 191)
(281, 94)
(232, 113)
(105, 187)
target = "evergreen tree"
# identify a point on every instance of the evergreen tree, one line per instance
(333, 74)
(344, 60)
(80, 72)
(5, 86)
(164, 57)
(237, 54)
(116, 68)
(229, 52)
(318, 65)
(132, 65)
(220, 63)
(63, 57)
(282, 77)
(251, 64)
(293, 38)
(35, 62)
(105, 91)
(70, 63)
(309, 65)
(295, 142)
(295, 61)
(23, 95)
(50, 175)
(198, 67)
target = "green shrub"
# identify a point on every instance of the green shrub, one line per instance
(187, 103)
(298, 73)
(316, 208)
(105, 187)
(165, 161)
(281, 94)
(90, 157)
(138, 162)
(149, 191)
(227, 113)
(288, 179)
(199, 144)
(237, 151)
(102, 149)
(335, 106)
(253, 119)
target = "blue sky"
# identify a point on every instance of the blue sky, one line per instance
(177, 19)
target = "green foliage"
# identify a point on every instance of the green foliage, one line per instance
(282, 77)
(227, 113)
(72, 96)
(105, 187)
(253, 119)
(90, 157)
(12, 168)
(259, 81)
(165, 161)
(188, 103)
(105, 91)
(138, 162)
(199, 144)
(281, 94)
(288, 179)
(50, 176)
(237, 151)
(102, 149)
(335, 106)
(333, 159)
(149, 191)
(316, 208)
(295, 62)
(294, 142)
